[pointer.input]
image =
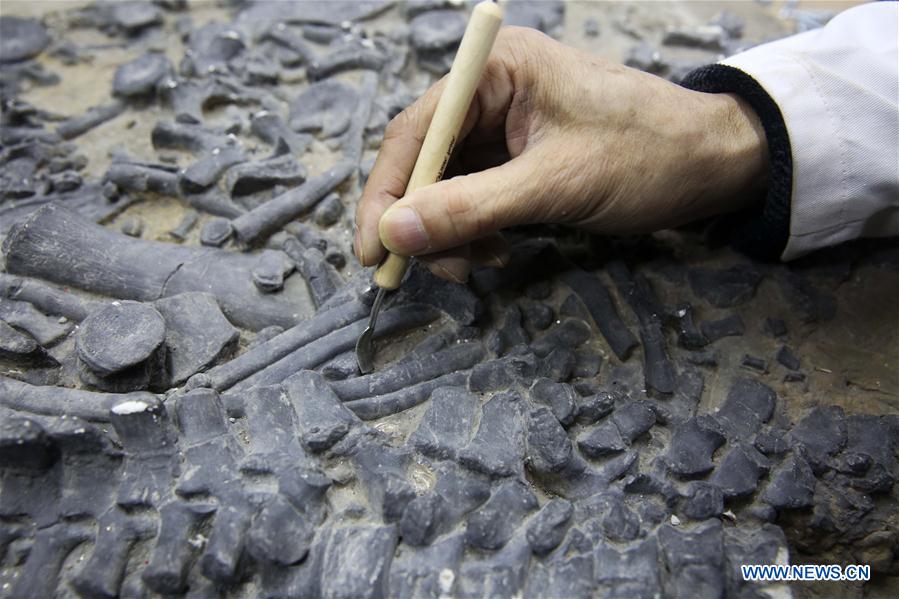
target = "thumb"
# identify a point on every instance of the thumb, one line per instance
(460, 210)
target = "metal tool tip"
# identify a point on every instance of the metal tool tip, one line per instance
(365, 352)
(365, 347)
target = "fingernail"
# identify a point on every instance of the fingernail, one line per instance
(402, 231)
(497, 261)
(357, 245)
(460, 278)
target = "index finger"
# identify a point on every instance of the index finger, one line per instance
(406, 132)
(390, 174)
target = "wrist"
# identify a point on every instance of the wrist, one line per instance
(735, 157)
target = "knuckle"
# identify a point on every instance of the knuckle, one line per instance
(525, 52)
(490, 217)
(471, 216)
(524, 40)
(458, 200)
(400, 124)
(457, 211)
(394, 187)
(515, 35)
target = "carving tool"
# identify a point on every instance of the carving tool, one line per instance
(461, 84)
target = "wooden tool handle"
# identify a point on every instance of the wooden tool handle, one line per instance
(461, 84)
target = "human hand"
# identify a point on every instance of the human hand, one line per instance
(555, 135)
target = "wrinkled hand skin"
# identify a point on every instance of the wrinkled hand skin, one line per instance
(555, 135)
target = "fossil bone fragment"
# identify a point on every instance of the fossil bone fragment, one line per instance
(322, 349)
(144, 177)
(185, 225)
(21, 39)
(22, 315)
(259, 175)
(599, 303)
(140, 76)
(351, 56)
(58, 401)
(94, 117)
(57, 245)
(257, 358)
(321, 277)
(658, 368)
(378, 406)
(275, 213)
(446, 361)
(20, 348)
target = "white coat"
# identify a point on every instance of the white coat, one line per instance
(837, 90)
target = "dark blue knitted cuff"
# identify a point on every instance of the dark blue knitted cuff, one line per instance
(762, 231)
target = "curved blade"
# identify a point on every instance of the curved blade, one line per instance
(365, 347)
(365, 351)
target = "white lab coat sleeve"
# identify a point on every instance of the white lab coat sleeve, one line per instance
(835, 91)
